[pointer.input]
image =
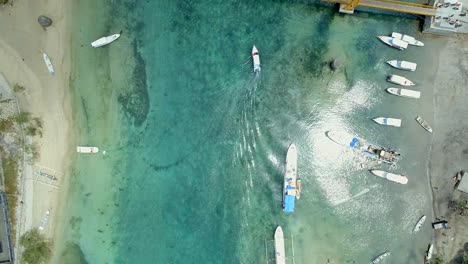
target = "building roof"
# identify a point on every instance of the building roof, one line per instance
(463, 184)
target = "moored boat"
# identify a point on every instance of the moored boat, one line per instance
(256, 59)
(424, 124)
(48, 63)
(83, 149)
(380, 258)
(428, 256)
(104, 40)
(368, 150)
(403, 65)
(397, 79)
(393, 42)
(418, 225)
(388, 121)
(280, 254)
(390, 176)
(409, 39)
(290, 179)
(404, 92)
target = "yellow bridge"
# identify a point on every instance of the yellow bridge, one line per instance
(348, 6)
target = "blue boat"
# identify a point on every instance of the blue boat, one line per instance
(291, 190)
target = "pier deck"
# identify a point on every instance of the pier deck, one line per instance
(396, 6)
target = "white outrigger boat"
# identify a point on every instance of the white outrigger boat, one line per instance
(402, 65)
(256, 59)
(428, 257)
(44, 221)
(408, 39)
(366, 149)
(82, 149)
(404, 92)
(418, 225)
(48, 63)
(105, 40)
(280, 254)
(380, 258)
(397, 79)
(388, 121)
(390, 176)
(393, 42)
(424, 124)
(290, 190)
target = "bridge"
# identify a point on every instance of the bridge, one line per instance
(348, 6)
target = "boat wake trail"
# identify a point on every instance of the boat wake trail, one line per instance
(366, 190)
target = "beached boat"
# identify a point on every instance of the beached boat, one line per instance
(83, 149)
(409, 39)
(280, 254)
(380, 258)
(404, 92)
(403, 65)
(256, 59)
(418, 225)
(104, 41)
(367, 150)
(388, 121)
(44, 221)
(397, 79)
(428, 257)
(424, 124)
(290, 179)
(48, 63)
(390, 176)
(393, 42)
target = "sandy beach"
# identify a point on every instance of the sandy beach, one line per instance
(449, 152)
(21, 46)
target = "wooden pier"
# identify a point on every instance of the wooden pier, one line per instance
(348, 6)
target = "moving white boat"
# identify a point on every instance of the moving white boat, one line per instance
(104, 41)
(393, 42)
(280, 254)
(256, 60)
(424, 124)
(48, 63)
(380, 258)
(83, 149)
(397, 79)
(428, 257)
(404, 92)
(366, 149)
(403, 65)
(390, 176)
(418, 225)
(388, 121)
(409, 39)
(290, 192)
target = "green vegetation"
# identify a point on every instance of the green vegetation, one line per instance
(18, 88)
(10, 175)
(6, 125)
(33, 125)
(437, 260)
(32, 151)
(3, 2)
(36, 247)
(22, 118)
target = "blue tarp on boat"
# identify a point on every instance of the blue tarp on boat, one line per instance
(289, 203)
(354, 142)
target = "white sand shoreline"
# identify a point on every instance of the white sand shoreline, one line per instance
(45, 97)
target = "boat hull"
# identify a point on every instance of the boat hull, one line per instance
(408, 39)
(388, 121)
(367, 150)
(419, 224)
(290, 180)
(424, 124)
(396, 79)
(390, 176)
(404, 93)
(105, 41)
(394, 43)
(403, 65)
(48, 63)
(90, 150)
(256, 59)
(280, 254)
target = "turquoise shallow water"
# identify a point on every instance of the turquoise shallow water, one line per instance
(195, 143)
